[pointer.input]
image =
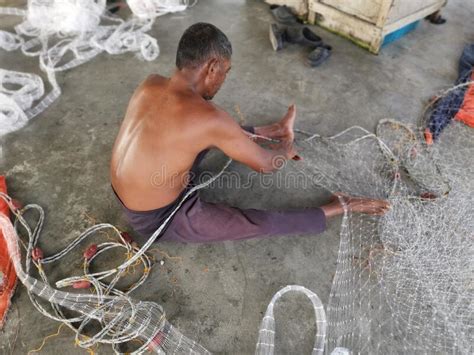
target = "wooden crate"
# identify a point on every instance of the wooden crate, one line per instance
(369, 22)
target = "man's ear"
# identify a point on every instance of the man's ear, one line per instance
(213, 66)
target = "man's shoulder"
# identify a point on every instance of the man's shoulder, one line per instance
(149, 87)
(155, 79)
(213, 115)
(197, 108)
(152, 84)
(207, 119)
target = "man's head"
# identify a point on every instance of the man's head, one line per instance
(206, 48)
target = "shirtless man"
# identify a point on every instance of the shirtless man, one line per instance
(169, 126)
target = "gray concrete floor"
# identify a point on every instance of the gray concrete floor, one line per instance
(217, 294)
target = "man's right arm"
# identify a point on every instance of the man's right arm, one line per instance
(228, 136)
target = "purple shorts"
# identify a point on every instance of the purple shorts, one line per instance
(198, 221)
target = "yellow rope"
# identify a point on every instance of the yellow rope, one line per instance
(239, 113)
(133, 266)
(89, 349)
(178, 258)
(46, 338)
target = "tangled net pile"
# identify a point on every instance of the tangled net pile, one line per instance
(64, 34)
(112, 315)
(404, 281)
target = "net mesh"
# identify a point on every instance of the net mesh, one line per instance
(404, 281)
(107, 315)
(64, 34)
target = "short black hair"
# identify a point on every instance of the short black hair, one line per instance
(200, 42)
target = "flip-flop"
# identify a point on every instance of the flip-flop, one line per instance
(436, 20)
(283, 15)
(319, 55)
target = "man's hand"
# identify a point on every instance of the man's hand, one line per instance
(354, 204)
(363, 205)
(225, 134)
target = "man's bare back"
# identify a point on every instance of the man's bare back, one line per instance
(156, 145)
(166, 126)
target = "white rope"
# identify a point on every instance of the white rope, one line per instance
(64, 34)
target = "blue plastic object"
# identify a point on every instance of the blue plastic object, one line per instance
(396, 35)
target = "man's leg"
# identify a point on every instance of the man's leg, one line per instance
(199, 222)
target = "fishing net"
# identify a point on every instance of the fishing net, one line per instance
(154, 8)
(403, 283)
(64, 34)
(404, 280)
(109, 314)
(266, 333)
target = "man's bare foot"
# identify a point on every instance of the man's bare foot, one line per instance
(281, 130)
(286, 124)
(363, 205)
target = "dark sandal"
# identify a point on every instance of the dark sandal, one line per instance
(319, 55)
(283, 15)
(436, 19)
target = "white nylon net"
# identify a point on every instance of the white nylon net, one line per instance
(404, 281)
(64, 34)
(108, 315)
